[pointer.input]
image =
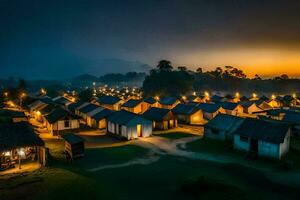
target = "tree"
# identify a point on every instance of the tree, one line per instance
(284, 77)
(256, 77)
(165, 65)
(199, 70)
(22, 85)
(182, 68)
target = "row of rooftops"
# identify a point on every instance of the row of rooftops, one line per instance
(189, 107)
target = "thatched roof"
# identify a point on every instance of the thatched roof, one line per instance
(17, 135)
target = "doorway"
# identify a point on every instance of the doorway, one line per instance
(254, 145)
(139, 130)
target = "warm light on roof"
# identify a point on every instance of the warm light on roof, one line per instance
(206, 94)
(273, 96)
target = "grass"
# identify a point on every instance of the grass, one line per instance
(174, 135)
(294, 154)
(209, 145)
(170, 177)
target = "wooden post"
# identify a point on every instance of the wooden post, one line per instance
(19, 162)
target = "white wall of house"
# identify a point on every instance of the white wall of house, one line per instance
(265, 149)
(60, 125)
(129, 131)
(285, 146)
(241, 145)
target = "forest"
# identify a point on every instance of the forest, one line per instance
(166, 80)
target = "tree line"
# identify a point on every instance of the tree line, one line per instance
(165, 80)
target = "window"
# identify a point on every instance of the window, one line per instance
(244, 138)
(67, 123)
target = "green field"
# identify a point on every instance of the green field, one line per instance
(170, 177)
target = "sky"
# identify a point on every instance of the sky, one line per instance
(58, 38)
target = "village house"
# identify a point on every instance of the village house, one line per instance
(196, 99)
(210, 110)
(168, 102)
(274, 103)
(263, 105)
(222, 126)
(250, 107)
(128, 125)
(12, 116)
(275, 114)
(188, 114)
(61, 121)
(110, 102)
(293, 118)
(232, 99)
(151, 102)
(40, 113)
(19, 143)
(265, 138)
(98, 119)
(83, 111)
(89, 116)
(78, 107)
(39, 104)
(73, 106)
(74, 146)
(135, 106)
(162, 119)
(232, 108)
(62, 101)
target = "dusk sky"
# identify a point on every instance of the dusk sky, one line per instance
(41, 39)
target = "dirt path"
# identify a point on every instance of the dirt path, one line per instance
(168, 146)
(160, 146)
(141, 161)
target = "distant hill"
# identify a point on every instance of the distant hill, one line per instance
(86, 78)
(128, 79)
(107, 66)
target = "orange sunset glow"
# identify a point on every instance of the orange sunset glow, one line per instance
(265, 62)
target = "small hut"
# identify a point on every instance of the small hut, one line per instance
(151, 102)
(222, 126)
(210, 110)
(264, 138)
(18, 142)
(168, 102)
(74, 145)
(162, 119)
(128, 125)
(110, 102)
(60, 120)
(188, 114)
(135, 106)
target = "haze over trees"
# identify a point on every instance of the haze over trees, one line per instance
(165, 80)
